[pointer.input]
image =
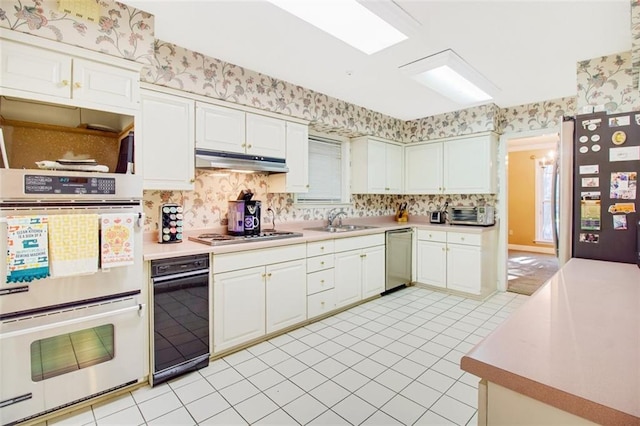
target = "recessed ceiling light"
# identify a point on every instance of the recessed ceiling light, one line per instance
(346, 20)
(448, 74)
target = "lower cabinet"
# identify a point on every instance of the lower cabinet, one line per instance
(359, 268)
(460, 261)
(321, 295)
(257, 292)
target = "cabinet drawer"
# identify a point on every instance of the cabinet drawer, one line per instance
(318, 248)
(248, 259)
(319, 263)
(321, 303)
(464, 238)
(320, 281)
(428, 235)
(355, 243)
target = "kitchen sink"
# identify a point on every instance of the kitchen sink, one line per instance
(340, 228)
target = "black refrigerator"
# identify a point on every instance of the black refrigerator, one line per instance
(606, 164)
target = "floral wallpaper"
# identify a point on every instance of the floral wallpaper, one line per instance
(121, 30)
(535, 116)
(635, 41)
(464, 122)
(183, 69)
(607, 81)
(206, 206)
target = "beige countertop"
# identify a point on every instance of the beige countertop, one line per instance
(153, 250)
(575, 344)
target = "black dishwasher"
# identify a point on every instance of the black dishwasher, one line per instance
(180, 316)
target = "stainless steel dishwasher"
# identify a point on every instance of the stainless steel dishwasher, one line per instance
(398, 258)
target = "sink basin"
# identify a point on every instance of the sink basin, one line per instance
(340, 228)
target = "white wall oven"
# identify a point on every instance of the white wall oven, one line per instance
(69, 337)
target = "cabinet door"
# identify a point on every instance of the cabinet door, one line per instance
(105, 84)
(266, 136)
(239, 307)
(34, 70)
(394, 168)
(423, 168)
(297, 180)
(373, 271)
(167, 133)
(469, 165)
(376, 166)
(348, 277)
(464, 268)
(286, 290)
(219, 128)
(432, 263)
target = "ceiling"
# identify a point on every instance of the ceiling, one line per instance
(528, 49)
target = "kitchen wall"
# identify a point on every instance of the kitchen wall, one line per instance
(522, 209)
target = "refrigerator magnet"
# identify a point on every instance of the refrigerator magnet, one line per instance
(595, 148)
(595, 138)
(622, 208)
(623, 185)
(619, 222)
(589, 238)
(619, 121)
(619, 137)
(583, 150)
(590, 182)
(583, 139)
(589, 169)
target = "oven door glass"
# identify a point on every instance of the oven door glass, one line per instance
(40, 371)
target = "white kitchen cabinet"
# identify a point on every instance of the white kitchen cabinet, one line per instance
(239, 307)
(219, 128)
(297, 158)
(56, 74)
(266, 136)
(286, 295)
(359, 268)
(167, 135)
(320, 278)
(423, 168)
(462, 165)
(376, 166)
(256, 292)
(458, 260)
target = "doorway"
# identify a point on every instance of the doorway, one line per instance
(531, 258)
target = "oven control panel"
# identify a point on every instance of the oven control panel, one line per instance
(75, 185)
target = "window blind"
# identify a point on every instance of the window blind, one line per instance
(325, 171)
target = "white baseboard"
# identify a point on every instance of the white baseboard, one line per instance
(534, 249)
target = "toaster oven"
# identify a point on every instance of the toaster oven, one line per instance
(478, 215)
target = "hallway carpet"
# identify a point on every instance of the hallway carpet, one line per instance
(528, 271)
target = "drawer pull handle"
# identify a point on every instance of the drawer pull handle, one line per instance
(269, 275)
(321, 281)
(322, 303)
(321, 263)
(461, 238)
(249, 146)
(65, 82)
(77, 85)
(264, 275)
(244, 145)
(322, 248)
(430, 236)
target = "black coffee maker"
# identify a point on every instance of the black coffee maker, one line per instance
(252, 217)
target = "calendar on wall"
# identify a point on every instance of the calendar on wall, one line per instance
(84, 9)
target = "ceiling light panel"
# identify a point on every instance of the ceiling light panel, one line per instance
(346, 20)
(448, 74)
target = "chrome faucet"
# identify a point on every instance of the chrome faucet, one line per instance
(333, 215)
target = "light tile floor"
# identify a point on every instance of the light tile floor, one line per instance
(394, 360)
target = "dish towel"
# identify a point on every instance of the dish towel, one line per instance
(73, 244)
(116, 245)
(27, 251)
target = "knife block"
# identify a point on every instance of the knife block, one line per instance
(402, 216)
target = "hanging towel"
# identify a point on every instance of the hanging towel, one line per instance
(116, 242)
(73, 244)
(27, 251)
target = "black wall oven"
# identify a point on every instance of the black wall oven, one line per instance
(180, 316)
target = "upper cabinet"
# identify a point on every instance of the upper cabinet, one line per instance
(297, 157)
(376, 166)
(230, 130)
(48, 75)
(167, 132)
(463, 165)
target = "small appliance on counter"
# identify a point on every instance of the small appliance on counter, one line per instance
(171, 223)
(439, 216)
(476, 216)
(244, 215)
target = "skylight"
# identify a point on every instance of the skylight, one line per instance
(346, 20)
